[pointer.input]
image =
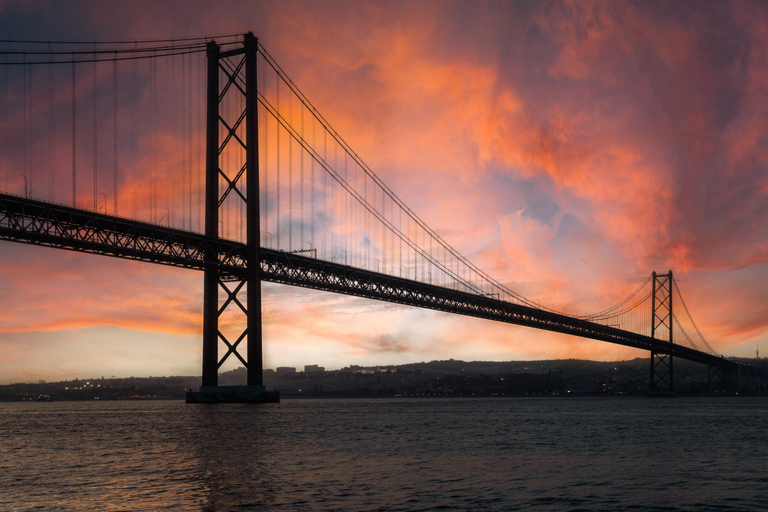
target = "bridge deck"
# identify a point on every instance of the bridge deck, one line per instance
(41, 223)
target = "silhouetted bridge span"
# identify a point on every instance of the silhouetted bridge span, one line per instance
(278, 183)
(37, 222)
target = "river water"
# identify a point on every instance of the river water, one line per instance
(687, 454)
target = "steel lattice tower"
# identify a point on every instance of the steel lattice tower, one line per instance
(239, 68)
(662, 376)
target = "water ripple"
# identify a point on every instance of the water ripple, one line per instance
(394, 455)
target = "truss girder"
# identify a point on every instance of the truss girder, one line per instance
(37, 222)
(64, 227)
(292, 269)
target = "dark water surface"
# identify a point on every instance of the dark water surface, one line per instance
(692, 454)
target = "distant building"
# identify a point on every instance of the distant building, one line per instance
(285, 370)
(313, 368)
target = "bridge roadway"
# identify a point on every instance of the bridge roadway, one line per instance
(52, 225)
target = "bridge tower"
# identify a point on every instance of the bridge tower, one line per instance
(240, 134)
(661, 380)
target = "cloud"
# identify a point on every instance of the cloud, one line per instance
(50, 290)
(388, 343)
(568, 148)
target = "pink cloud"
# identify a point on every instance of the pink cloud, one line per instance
(640, 132)
(48, 290)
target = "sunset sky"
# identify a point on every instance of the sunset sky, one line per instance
(570, 148)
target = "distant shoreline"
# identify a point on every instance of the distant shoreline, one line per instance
(450, 378)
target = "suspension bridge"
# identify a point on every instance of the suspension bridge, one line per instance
(203, 154)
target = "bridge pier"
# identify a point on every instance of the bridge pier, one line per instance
(215, 280)
(211, 278)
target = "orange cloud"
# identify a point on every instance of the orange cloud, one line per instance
(568, 149)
